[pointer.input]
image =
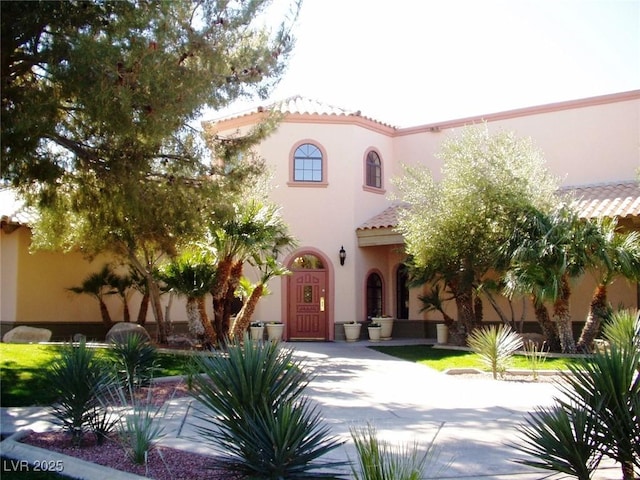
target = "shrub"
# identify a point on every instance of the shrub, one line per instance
(601, 400)
(78, 377)
(623, 329)
(254, 410)
(134, 358)
(495, 346)
(535, 357)
(378, 460)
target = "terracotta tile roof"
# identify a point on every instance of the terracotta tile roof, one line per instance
(299, 105)
(386, 219)
(620, 199)
(12, 209)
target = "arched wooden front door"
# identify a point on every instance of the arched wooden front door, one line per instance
(307, 299)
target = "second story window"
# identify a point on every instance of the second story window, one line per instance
(307, 163)
(374, 170)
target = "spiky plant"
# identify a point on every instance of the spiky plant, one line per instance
(134, 358)
(78, 377)
(561, 439)
(379, 460)
(495, 346)
(623, 329)
(253, 408)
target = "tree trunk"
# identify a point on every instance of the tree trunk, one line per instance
(104, 313)
(154, 298)
(562, 317)
(464, 303)
(144, 308)
(547, 326)
(127, 314)
(597, 313)
(209, 332)
(219, 293)
(194, 322)
(244, 316)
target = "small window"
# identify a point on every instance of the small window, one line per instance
(307, 163)
(374, 170)
(374, 295)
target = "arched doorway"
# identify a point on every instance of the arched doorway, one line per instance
(307, 298)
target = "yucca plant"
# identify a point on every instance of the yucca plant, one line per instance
(134, 358)
(379, 460)
(597, 415)
(623, 329)
(78, 377)
(495, 346)
(561, 439)
(535, 357)
(254, 410)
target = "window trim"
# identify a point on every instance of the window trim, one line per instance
(365, 186)
(325, 170)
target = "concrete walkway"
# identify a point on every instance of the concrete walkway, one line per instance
(472, 422)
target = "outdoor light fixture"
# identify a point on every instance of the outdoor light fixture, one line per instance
(343, 255)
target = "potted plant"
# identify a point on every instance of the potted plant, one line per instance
(374, 331)
(275, 331)
(352, 331)
(386, 323)
(257, 330)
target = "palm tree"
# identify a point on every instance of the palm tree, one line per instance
(97, 286)
(255, 232)
(269, 268)
(121, 285)
(617, 255)
(545, 252)
(192, 274)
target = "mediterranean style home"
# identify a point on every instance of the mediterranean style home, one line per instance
(331, 174)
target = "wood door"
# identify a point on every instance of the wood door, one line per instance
(307, 305)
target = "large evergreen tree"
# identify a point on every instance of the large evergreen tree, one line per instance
(97, 101)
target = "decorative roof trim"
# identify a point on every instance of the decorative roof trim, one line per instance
(523, 112)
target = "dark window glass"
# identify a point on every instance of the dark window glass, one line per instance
(374, 170)
(374, 295)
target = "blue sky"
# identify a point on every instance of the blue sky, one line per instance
(410, 62)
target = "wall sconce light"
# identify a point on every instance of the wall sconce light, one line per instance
(343, 255)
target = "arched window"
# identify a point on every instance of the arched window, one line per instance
(374, 170)
(374, 295)
(307, 163)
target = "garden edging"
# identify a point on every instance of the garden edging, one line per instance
(73, 467)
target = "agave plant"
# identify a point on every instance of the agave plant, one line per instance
(495, 346)
(253, 408)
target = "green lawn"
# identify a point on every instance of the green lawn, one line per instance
(23, 380)
(443, 359)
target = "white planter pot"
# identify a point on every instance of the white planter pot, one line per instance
(442, 333)
(374, 334)
(275, 331)
(386, 323)
(352, 331)
(257, 333)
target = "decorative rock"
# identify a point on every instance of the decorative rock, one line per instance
(79, 337)
(120, 331)
(180, 341)
(535, 338)
(24, 334)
